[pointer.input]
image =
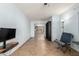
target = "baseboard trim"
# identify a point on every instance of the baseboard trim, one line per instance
(25, 42)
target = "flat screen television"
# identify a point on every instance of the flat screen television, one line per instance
(6, 34)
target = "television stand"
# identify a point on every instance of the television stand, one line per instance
(8, 46)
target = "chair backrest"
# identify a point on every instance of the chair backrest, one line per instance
(66, 37)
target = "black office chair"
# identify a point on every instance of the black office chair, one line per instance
(65, 40)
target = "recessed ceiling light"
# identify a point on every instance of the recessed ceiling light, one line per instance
(45, 4)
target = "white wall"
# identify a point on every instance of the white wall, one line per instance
(37, 23)
(71, 23)
(12, 17)
(56, 28)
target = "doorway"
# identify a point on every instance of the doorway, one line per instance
(39, 32)
(48, 30)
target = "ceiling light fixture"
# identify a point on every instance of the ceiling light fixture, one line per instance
(45, 4)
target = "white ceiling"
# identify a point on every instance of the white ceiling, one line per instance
(37, 11)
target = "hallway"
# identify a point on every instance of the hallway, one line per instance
(38, 46)
(37, 27)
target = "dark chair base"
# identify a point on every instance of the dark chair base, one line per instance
(64, 48)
